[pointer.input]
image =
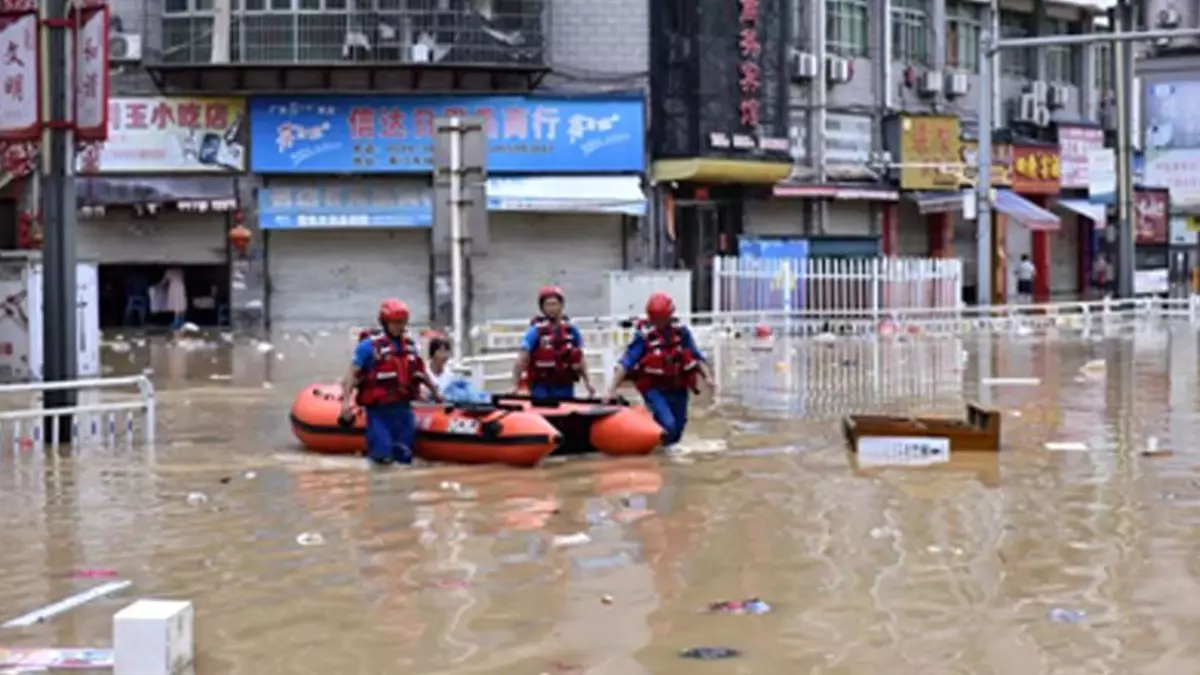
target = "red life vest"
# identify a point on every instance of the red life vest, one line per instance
(395, 376)
(556, 358)
(665, 364)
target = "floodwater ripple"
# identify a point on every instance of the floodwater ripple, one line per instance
(310, 566)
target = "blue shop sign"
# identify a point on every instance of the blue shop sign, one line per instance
(394, 134)
(336, 207)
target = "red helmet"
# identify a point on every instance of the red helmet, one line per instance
(550, 292)
(393, 310)
(660, 306)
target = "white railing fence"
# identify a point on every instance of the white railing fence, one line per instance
(493, 372)
(109, 409)
(835, 286)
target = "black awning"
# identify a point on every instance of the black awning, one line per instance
(132, 191)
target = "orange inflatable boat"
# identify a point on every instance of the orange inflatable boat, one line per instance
(463, 434)
(593, 425)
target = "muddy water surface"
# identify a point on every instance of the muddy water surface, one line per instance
(951, 569)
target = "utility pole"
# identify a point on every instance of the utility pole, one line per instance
(989, 47)
(58, 207)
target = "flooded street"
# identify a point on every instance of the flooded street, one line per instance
(1030, 562)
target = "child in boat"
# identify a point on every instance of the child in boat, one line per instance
(453, 386)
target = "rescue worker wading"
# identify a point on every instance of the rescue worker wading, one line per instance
(664, 364)
(552, 351)
(386, 375)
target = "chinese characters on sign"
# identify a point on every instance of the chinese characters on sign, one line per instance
(1001, 164)
(91, 75)
(1074, 145)
(749, 70)
(930, 152)
(1035, 170)
(20, 110)
(1151, 216)
(170, 135)
(395, 134)
(1178, 171)
(354, 206)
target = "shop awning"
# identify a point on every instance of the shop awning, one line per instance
(568, 194)
(104, 191)
(1097, 213)
(1025, 212)
(704, 170)
(936, 201)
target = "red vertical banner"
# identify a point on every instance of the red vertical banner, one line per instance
(20, 82)
(90, 71)
(890, 230)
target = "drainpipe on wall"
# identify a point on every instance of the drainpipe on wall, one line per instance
(222, 28)
(997, 99)
(937, 59)
(818, 101)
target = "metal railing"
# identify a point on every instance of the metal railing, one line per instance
(104, 418)
(493, 372)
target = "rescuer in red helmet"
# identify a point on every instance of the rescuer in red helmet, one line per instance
(552, 351)
(386, 375)
(665, 365)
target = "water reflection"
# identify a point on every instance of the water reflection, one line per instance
(603, 565)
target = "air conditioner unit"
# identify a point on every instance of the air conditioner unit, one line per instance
(1037, 89)
(803, 66)
(1168, 18)
(957, 84)
(125, 48)
(1058, 96)
(930, 83)
(837, 70)
(1030, 110)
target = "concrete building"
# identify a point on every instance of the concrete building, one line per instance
(314, 133)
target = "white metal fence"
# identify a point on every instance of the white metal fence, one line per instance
(834, 287)
(110, 409)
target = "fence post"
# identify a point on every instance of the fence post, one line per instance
(877, 267)
(717, 270)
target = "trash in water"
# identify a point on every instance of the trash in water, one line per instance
(116, 346)
(189, 328)
(26, 660)
(1010, 381)
(264, 347)
(606, 599)
(710, 653)
(310, 539)
(1066, 446)
(225, 480)
(1060, 615)
(96, 573)
(250, 475)
(751, 606)
(220, 377)
(197, 498)
(1153, 449)
(566, 540)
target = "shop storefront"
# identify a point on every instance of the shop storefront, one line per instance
(1172, 161)
(1086, 218)
(162, 193)
(937, 174)
(347, 209)
(853, 206)
(719, 133)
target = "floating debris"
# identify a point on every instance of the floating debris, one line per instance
(710, 653)
(1066, 446)
(197, 498)
(568, 540)
(1153, 450)
(1060, 615)
(310, 539)
(95, 573)
(751, 606)
(1010, 381)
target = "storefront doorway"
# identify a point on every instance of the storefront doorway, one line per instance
(132, 296)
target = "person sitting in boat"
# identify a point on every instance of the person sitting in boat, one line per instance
(450, 382)
(386, 375)
(552, 351)
(665, 365)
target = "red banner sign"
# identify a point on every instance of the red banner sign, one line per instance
(1151, 216)
(749, 71)
(1035, 170)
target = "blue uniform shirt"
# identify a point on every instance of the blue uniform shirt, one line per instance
(364, 353)
(637, 348)
(530, 341)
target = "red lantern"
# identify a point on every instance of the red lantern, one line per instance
(239, 238)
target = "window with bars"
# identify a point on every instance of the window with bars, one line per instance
(910, 31)
(962, 36)
(847, 27)
(1015, 62)
(1064, 64)
(801, 20)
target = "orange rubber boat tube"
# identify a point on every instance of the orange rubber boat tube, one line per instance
(445, 433)
(594, 425)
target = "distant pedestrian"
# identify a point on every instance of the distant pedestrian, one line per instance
(1101, 276)
(1026, 273)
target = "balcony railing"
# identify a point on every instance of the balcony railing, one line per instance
(504, 33)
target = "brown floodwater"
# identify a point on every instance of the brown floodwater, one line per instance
(957, 568)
